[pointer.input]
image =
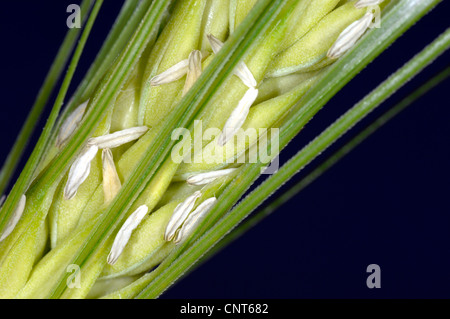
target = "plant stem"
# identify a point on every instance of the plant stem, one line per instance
(25, 177)
(126, 23)
(16, 153)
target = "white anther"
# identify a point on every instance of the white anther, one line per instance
(79, 171)
(242, 71)
(193, 219)
(71, 123)
(209, 177)
(238, 116)
(124, 234)
(349, 36)
(179, 215)
(111, 180)
(14, 219)
(194, 70)
(118, 138)
(172, 74)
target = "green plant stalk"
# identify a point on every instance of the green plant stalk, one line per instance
(202, 245)
(127, 21)
(106, 92)
(25, 177)
(328, 163)
(120, 34)
(16, 153)
(220, 68)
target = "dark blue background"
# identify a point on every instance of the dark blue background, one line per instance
(386, 203)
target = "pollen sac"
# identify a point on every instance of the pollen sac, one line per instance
(209, 177)
(194, 70)
(308, 53)
(193, 219)
(111, 180)
(14, 219)
(118, 138)
(179, 215)
(79, 171)
(70, 124)
(242, 71)
(172, 74)
(238, 116)
(124, 234)
(349, 36)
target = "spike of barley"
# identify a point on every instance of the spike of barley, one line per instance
(184, 33)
